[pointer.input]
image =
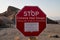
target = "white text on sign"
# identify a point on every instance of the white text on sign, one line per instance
(31, 13)
(31, 26)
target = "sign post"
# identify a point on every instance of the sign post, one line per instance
(32, 38)
(31, 21)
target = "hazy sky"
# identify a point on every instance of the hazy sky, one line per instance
(50, 7)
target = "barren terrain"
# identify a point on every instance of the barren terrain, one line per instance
(50, 31)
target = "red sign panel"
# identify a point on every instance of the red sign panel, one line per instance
(31, 21)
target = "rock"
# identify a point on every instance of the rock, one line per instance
(54, 36)
(17, 38)
(4, 21)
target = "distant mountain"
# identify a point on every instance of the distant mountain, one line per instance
(12, 11)
(58, 21)
(50, 21)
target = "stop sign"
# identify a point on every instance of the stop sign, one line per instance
(31, 21)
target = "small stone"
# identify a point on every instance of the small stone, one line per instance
(17, 38)
(54, 36)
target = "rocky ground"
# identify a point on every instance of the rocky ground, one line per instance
(52, 32)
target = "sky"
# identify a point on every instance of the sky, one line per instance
(50, 7)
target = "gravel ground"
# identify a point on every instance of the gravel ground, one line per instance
(13, 33)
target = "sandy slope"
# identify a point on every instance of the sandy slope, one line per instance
(12, 33)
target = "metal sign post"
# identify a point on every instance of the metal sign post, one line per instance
(32, 38)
